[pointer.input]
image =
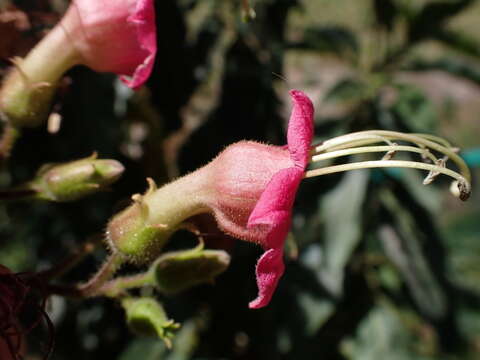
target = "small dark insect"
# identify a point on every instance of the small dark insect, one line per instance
(22, 308)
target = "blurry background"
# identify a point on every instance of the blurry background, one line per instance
(378, 265)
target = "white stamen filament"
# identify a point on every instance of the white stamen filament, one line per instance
(371, 149)
(424, 144)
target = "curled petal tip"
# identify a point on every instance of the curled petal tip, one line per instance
(269, 270)
(300, 98)
(141, 74)
(297, 94)
(144, 19)
(300, 128)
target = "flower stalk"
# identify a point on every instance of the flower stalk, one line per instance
(7, 139)
(92, 287)
(72, 260)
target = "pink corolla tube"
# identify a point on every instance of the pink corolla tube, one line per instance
(256, 187)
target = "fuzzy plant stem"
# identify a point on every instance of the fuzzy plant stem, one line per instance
(91, 287)
(72, 260)
(117, 286)
(28, 88)
(7, 141)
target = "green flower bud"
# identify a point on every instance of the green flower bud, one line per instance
(74, 180)
(180, 270)
(146, 316)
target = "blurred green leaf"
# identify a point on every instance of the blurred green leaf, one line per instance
(427, 195)
(385, 13)
(414, 110)
(346, 90)
(462, 240)
(341, 210)
(317, 311)
(389, 278)
(381, 335)
(332, 39)
(432, 17)
(184, 344)
(460, 41)
(452, 66)
(151, 349)
(403, 246)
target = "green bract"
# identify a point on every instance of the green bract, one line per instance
(146, 316)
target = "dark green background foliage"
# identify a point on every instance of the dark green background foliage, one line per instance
(378, 266)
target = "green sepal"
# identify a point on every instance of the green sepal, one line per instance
(177, 271)
(146, 316)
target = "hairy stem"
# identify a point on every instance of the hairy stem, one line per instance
(91, 288)
(7, 140)
(72, 260)
(118, 286)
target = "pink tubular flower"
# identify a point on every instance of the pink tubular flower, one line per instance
(249, 188)
(114, 36)
(256, 187)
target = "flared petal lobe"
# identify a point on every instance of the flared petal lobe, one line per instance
(300, 128)
(269, 270)
(273, 210)
(144, 20)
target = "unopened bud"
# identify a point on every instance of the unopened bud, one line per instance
(180, 270)
(146, 316)
(74, 180)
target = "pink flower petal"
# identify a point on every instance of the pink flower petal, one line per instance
(114, 36)
(144, 19)
(274, 207)
(300, 128)
(273, 210)
(253, 188)
(269, 270)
